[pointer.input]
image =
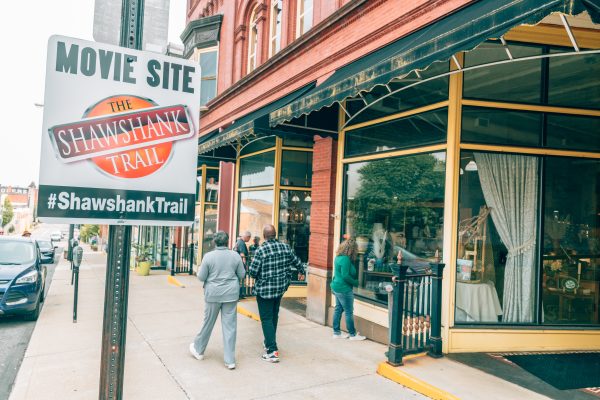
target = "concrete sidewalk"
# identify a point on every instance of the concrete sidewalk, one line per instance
(63, 358)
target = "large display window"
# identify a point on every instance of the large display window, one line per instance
(393, 205)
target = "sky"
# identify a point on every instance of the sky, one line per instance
(25, 27)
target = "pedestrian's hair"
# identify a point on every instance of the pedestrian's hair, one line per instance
(348, 248)
(221, 238)
(246, 234)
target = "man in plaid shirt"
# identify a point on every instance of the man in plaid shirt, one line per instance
(272, 268)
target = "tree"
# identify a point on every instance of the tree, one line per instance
(88, 231)
(7, 212)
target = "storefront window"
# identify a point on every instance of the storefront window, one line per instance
(571, 240)
(416, 130)
(209, 227)
(519, 82)
(257, 145)
(571, 84)
(294, 220)
(296, 168)
(257, 170)
(573, 132)
(418, 95)
(208, 70)
(212, 185)
(393, 205)
(497, 259)
(495, 126)
(256, 211)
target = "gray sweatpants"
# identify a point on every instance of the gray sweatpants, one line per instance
(228, 325)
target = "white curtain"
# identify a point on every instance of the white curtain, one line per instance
(510, 188)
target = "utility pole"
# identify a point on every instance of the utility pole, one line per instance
(114, 330)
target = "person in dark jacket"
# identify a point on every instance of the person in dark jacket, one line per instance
(344, 279)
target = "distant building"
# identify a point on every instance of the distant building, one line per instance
(24, 202)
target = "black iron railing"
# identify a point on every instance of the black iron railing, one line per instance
(182, 260)
(416, 312)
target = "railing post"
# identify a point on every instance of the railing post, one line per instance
(173, 251)
(191, 271)
(396, 350)
(437, 271)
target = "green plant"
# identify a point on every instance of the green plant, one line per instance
(144, 251)
(7, 212)
(86, 232)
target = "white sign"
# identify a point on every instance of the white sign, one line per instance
(119, 141)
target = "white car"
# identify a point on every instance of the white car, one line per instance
(56, 236)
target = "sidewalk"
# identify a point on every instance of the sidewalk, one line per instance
(63, 358)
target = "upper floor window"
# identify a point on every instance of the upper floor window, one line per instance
(305, 17)
(252, 39)
(208, 60)
(275, 36)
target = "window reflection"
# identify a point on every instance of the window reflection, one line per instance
(294, 220)
(296, 168)
(257, 170)
(394, 205)
(209, 227)
(256, 211)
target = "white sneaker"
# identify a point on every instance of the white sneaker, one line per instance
(230, 366)
(194, 353)
(342, 335)
(357, 337)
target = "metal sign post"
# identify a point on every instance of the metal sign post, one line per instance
(77, 257)
(114, 326)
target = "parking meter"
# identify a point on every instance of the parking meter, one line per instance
(77, 256)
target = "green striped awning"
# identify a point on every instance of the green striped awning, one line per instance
(461, 31)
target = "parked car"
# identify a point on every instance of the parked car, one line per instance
(56, 236)
(22, 277)
(47, 250)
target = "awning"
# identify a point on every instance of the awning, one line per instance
(250, 125)
(460, 31)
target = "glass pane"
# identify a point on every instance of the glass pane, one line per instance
(572, 82)
(571, 272)
(487, 125)
(212, 186)
(415, 96)
(198, 187)
(298, 141)
(208, 90)
(394, 205)
(209, 227)
(515, 81)
(257, 170)
(294, 221)
(416, 130)
(308, 15)
(573, 132)
(296, 168)
(256, 211)
(496, 268)
(208, 64)
(258, 145)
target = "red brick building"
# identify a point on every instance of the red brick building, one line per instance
(316, 112)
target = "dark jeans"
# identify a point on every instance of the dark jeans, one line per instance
(269, 314)
(344, 302)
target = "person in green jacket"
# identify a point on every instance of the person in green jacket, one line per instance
(344, 279)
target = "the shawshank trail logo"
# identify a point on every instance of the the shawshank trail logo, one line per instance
(125, 136)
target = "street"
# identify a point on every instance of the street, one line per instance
(16, 332)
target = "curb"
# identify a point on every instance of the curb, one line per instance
(395, 374)
(247, 313)
(172, 280)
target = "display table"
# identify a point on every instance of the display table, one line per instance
(477, 302)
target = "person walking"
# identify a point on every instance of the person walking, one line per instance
(344, 279)
(221, 271)
(240, 246)
(272, 268)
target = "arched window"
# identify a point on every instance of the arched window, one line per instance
(252, 39)
(275, 35)
(305, 17)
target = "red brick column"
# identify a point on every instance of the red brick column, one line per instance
(321, 228)
(323, 202)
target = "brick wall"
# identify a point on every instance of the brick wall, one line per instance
(323, 203)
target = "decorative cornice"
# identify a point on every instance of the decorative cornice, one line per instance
(201, 33)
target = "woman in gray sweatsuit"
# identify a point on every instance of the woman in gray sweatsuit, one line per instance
(221, 271)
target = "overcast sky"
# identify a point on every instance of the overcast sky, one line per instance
(25, 27)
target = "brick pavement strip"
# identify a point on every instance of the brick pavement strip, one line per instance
(63, 359)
